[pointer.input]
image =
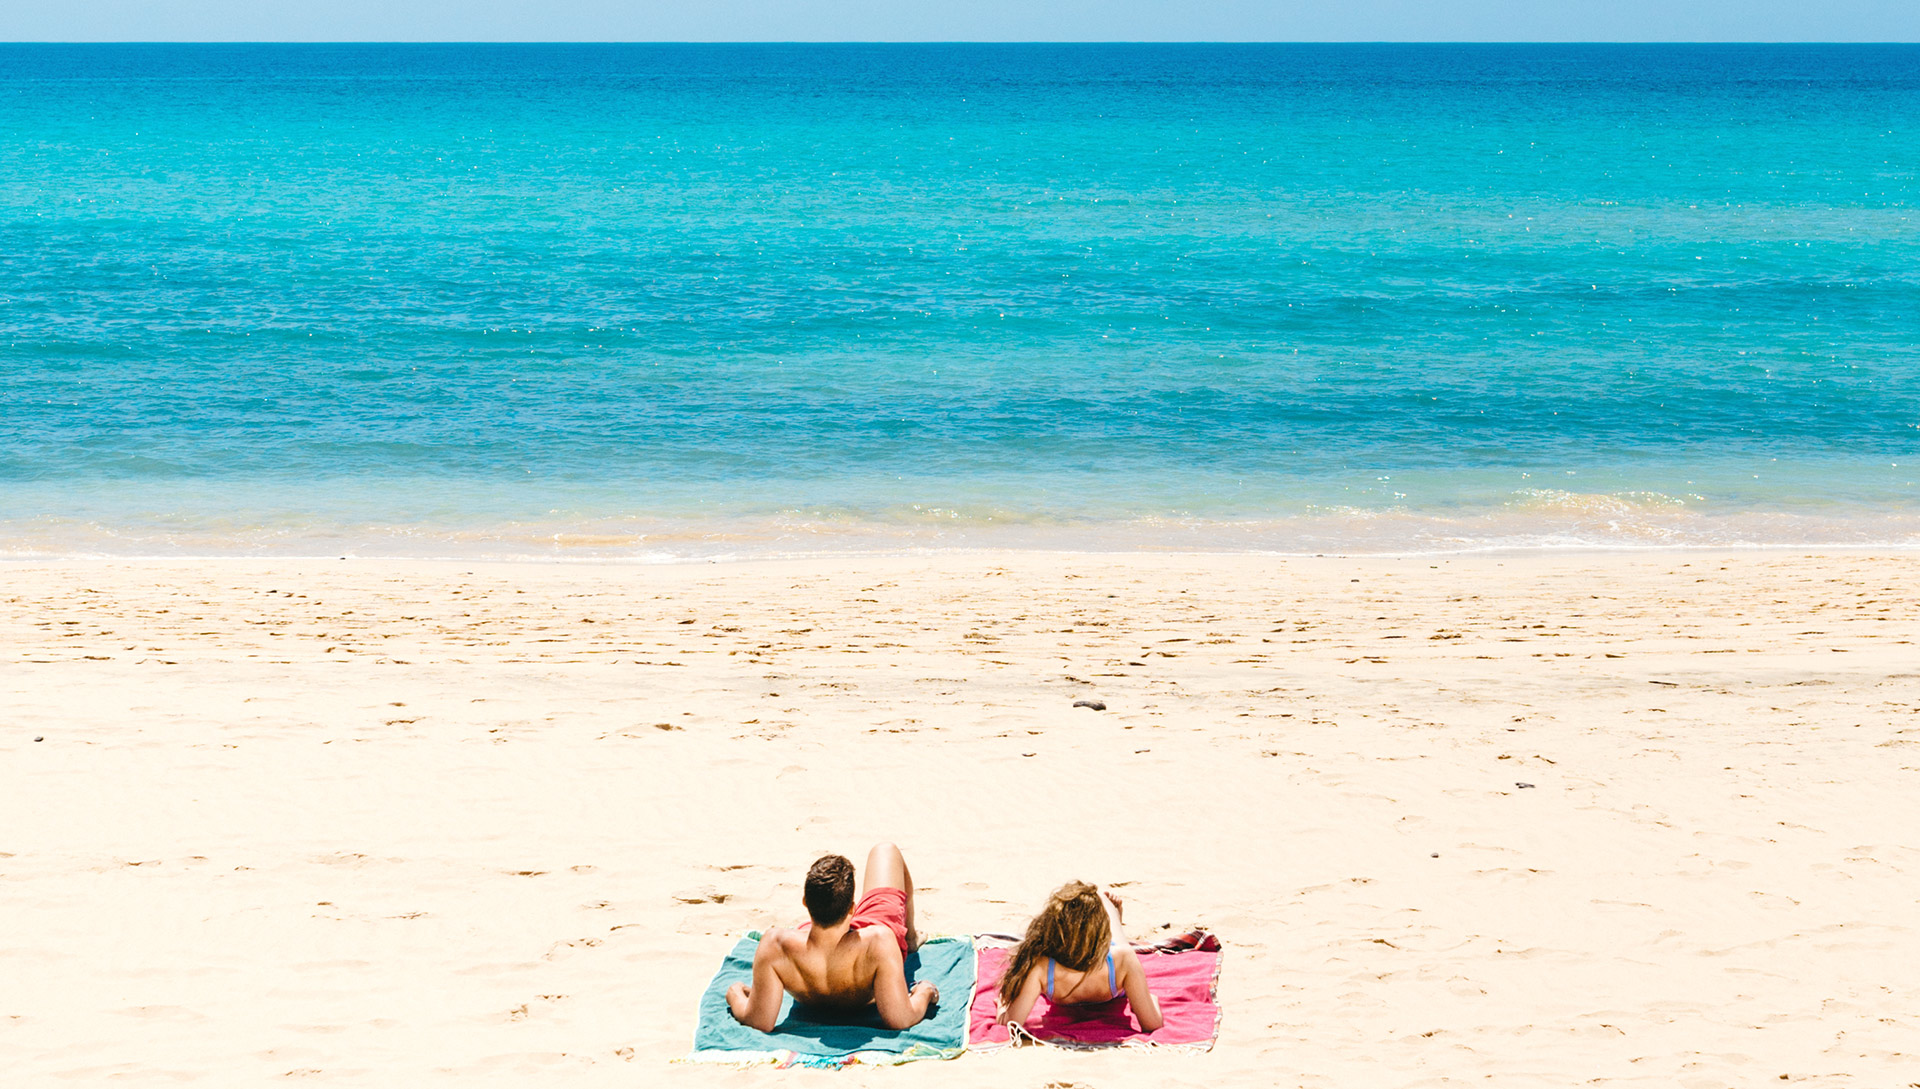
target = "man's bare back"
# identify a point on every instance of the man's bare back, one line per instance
(828, 967)
(850, 963)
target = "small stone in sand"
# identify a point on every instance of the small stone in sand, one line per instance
(1094, 704)
(1524, 786)
(1436, 854)
(39, 739)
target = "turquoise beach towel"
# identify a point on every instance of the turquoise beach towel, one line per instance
(947, 963)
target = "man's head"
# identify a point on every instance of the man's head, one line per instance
(829, 891)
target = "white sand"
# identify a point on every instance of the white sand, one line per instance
(394, 823)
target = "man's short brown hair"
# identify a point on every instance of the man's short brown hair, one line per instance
(829, 892)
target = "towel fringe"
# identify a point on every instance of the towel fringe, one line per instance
(787, 1060)
(1017, 1035)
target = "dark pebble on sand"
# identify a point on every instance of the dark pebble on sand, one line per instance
(39, 739)
(1524, 786)
(1436, 854)
(1094, 704)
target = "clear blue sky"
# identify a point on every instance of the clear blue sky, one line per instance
(960, 20)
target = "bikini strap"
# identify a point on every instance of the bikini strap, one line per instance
(1113, 990)
(1049, 979)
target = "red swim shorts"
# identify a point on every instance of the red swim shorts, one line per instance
(886, 907)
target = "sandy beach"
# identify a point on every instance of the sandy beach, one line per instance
(1631, 818)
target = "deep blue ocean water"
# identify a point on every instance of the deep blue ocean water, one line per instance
(668, 301)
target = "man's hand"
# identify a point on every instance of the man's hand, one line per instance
(738, 1000)
(929, 992)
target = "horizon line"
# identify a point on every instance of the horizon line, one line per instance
(957, 41)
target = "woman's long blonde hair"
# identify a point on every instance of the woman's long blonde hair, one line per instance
(1072, 929)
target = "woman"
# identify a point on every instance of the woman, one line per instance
(1073, 955)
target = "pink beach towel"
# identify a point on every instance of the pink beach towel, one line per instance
(1185, 984)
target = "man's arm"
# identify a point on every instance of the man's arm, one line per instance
(758, 1005)
(898, 1007)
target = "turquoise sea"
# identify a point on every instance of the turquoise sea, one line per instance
(664, 302)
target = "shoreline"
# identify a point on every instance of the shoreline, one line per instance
(454, 822)
(1558, 521)
(964, 552)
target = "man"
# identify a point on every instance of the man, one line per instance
(849, 957)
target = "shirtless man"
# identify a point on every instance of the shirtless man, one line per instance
(850, 956)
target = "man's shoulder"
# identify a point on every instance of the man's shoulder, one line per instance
(879, 947)
(782, 941)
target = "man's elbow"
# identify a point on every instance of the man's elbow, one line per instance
(753, 1021)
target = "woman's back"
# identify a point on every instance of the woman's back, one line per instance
(1100, 983)
(1074, 955)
